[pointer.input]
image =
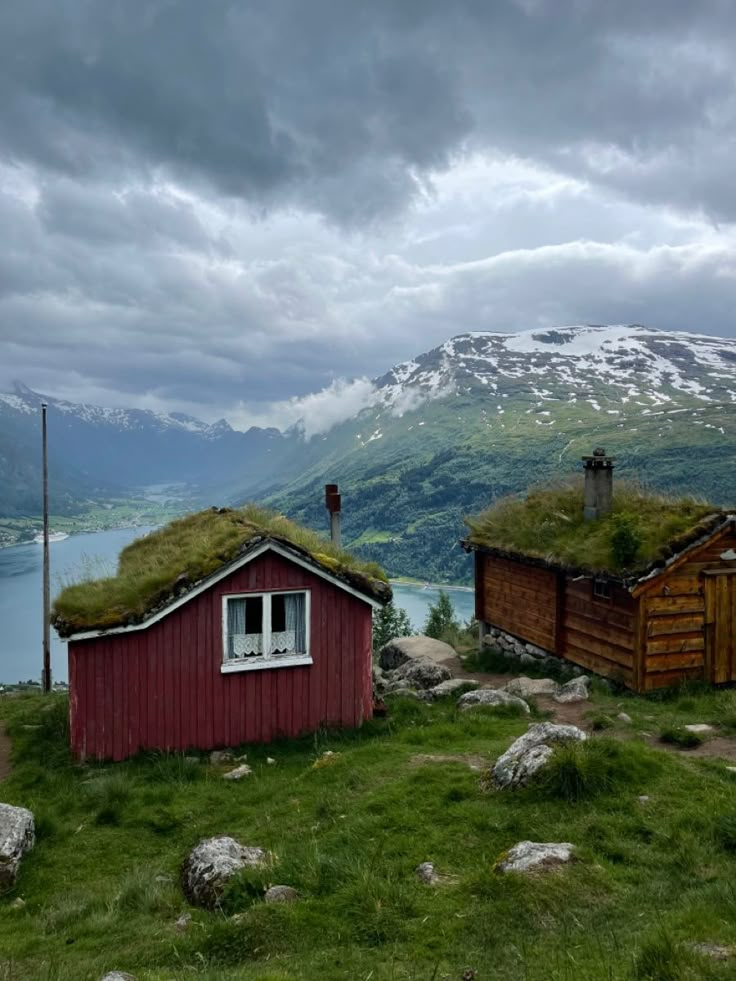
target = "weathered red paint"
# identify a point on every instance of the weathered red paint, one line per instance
(161, 687)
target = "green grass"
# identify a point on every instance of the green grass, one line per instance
(152, 569)
(548, 523)
(652, 878)
(681, 737)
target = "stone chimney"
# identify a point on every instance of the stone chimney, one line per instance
(598, 499)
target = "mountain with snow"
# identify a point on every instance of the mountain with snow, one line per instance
(103, 451)
(487, 414)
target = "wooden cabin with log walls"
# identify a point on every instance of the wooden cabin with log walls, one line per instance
(634, 586)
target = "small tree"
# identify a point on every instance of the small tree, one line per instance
(441, 617)
(625, 541)
(389, 622)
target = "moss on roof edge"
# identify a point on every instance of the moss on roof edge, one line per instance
(699, 532)
(376, 589)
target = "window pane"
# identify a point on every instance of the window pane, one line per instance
(289, 614)
(245, 627)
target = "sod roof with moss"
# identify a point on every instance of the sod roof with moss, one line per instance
(167, 563)
(643, 530)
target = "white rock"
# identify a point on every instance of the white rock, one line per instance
(402, 649)
(699, 727)
(536, 856)
(528, 754)
(238, 773)
(574, 691)
(489, 696)
(530, 687)
(117, 976)
(17, 836)
(211, 863)
(18, 903)
(270, 760)
(426, 873)
(280, 894)
(220, 756)
(643, 799)
(624, 717)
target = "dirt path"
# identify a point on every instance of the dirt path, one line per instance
(5, 747)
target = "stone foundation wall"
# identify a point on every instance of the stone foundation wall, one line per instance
(525, 653)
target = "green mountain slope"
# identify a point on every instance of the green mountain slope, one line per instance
(489, 414)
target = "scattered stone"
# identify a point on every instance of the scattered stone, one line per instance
(281, 894)
(118, 976)
(426, 873)
(530, 687)
(328, 758)
(717, 952)
(183, 923)
(731, 769)
(191, 759)
(238, 773)
(18, 903)
(403, 692)
(528, 754)
(644, 799)
(220, 756)
(624, 717)
(536, 856)
(450, 686)
(211, 863)
(573, 691)
(699, 727)
(402, 649)
(163, 878)
(17, 836)
(489, 697)
(270, 760)
(422, 672)
(526, 658)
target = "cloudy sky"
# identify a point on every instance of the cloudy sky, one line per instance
(246, 209)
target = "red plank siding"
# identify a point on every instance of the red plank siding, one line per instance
(161, 688)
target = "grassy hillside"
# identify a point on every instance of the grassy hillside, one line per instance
(406, 494)
(101, 887)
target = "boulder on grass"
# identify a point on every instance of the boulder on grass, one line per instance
(530, 687)
(574, 691)
(212, 863)
(118, 976)
(281, 894)
(402, 649)
(421, 673)
(489, 697)
(448, 687)
(17, 836)
(529, 753)
(536, 856)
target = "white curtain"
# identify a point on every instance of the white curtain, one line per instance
(239, 643)
(293, 639)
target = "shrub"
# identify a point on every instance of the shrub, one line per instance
(581, 771)
(679, 736)
(725, 831)
(441, 617)
(625, 542)
(663, 959)
(600, 721)
(389, 622)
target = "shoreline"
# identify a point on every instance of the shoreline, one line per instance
(430, 585)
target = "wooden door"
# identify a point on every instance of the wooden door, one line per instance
(720, 625)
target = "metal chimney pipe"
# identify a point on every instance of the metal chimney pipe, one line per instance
(333, 503)
(598, 497)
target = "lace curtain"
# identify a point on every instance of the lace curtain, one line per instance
(241, 644)
(293, 639)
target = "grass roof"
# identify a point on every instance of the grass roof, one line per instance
(157, 568)
(644, 528)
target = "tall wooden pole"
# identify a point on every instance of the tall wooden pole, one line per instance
(46, 675)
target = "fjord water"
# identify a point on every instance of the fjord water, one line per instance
(21, 603)
(96, 554)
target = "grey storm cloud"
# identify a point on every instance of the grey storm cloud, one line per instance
(222, 206)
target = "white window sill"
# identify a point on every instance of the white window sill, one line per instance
(265, 663)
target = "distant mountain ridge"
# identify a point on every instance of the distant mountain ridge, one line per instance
(95, 450)
(481, 415)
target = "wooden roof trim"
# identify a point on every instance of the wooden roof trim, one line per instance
(645, 582)
(266, 546)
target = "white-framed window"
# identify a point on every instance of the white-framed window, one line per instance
(265, 630)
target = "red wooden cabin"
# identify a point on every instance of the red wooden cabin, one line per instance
(272, 644)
